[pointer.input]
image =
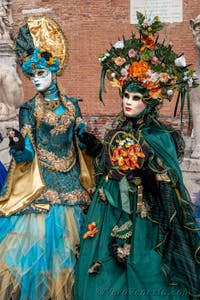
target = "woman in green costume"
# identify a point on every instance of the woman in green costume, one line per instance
(140, 239)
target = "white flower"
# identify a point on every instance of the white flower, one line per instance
(170, 92)
(124, 72)
(122, 142)
(153, 76)
(149, 20)
(104, 57)
(119, 45)
(180, 61)
(112, 75)
(129, 140)
(107, 54)
(190, 82)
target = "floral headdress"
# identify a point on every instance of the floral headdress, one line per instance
(40, 43)
(148, 64)
(40, 60)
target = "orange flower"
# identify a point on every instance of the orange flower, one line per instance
(93, 230)
(150, 85)
(154, 89)
(155, 94)
(116, 154)
(135, 149)
(164, 77)
(137, 69)
(127, 158)
(119, 61)
(148, 43)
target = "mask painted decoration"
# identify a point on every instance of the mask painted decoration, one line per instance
(41, 79)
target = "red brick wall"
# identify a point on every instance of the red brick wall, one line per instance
(90, 27)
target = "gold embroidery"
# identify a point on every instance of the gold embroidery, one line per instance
(60, 122)
(51, 196)
(78, 121)
(73, 196)
(76, 195)
(142, 207)
(51, 104)
(163, 177)
(53, 162)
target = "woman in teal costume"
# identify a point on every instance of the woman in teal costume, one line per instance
(3, 171)
(140, 237)
(39, 234)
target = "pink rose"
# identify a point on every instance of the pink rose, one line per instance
(132, 53)
(154, 60)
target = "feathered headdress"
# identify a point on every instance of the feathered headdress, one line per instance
(148, 64)
(41, 43)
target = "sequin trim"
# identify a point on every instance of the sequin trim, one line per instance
(124, 231)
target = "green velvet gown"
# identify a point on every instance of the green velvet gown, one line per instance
(149, 253)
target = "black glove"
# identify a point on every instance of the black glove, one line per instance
(149, 181)
(16, 139)
(92, 145)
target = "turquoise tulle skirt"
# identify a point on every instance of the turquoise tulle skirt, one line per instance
(38, 254)
(3, 173)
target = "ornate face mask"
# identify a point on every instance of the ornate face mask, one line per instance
(132, 104)
(41, 79)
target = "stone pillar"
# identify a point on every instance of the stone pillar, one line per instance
(191, 163)
(191, 170)
(11, 90)
(195, 28)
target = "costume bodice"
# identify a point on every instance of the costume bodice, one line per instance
(54, 133)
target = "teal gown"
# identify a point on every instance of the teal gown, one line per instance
(150, 253)
(39, 240)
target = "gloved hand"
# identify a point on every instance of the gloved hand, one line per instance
(80, 129)
(16, 140)
(21, 156)
(88, 141)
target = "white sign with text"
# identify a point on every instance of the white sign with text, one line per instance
(169, 11)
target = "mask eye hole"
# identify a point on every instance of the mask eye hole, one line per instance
(137, 98)
(31, 74)
(126, 95)
(40, 73)
(197, 27)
